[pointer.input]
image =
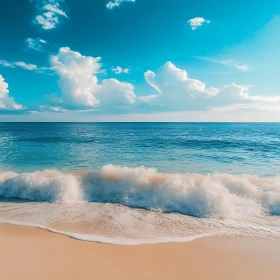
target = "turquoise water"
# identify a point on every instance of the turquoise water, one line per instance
(234, 148)
(135, 183)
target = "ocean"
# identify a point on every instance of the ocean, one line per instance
(133, 183)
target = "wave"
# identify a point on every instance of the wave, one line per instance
(213, 195)
(112, 240)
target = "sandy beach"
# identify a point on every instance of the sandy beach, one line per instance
(32, 253)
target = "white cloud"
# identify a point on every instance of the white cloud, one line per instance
(26, 66)
(178, 92)
(173, 83)
(79, 85)
(7, 64)
(150, 79)
(118, 70)
(47, 20)
(197, 22)
(55, 109)
(55, 9)
(236, 97)
(3, 87)
(243, 67)
(116, 3)
(20, 64)
(149, 99)
(226, 62)
(116, 92)
(6, 101)
(175, 90)
(78, 81)
(35, 44)
(50, 14)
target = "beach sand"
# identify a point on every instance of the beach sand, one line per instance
(32, 253)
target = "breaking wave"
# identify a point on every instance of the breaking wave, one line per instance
(213, 195)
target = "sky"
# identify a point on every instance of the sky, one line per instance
(139, 60)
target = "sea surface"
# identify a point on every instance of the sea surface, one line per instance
(133, 183)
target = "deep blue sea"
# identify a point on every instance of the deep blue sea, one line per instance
(235, 148)
(133, 183)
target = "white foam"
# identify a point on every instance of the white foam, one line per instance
(216, 195)
(48, 185)
(113, 240)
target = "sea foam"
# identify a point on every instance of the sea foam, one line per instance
(112, 240)
(213, 195)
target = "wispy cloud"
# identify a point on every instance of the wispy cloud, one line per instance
(19, 64)
(35, 44)
(227, 62)
(119, 70)
(55, 8)
(117, 3)
(243, 67)
(50, 14)
(7, 64)
(197, 22)
(25, 66)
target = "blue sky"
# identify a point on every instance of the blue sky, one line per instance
(142, 60)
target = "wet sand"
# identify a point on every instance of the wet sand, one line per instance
(32, 253)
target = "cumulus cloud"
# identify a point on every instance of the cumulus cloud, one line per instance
(3, 87)
(79, 85)
(236, 97)
(6, 101)
(113, 92)
(50, 14)
(174, 90)
(35, 44)
(226, 62)
(78, 81)
(117, 3)
(197, 22)
(118, 70)
(177, 92)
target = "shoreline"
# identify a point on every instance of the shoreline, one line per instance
(33, 253)
(111, 240)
